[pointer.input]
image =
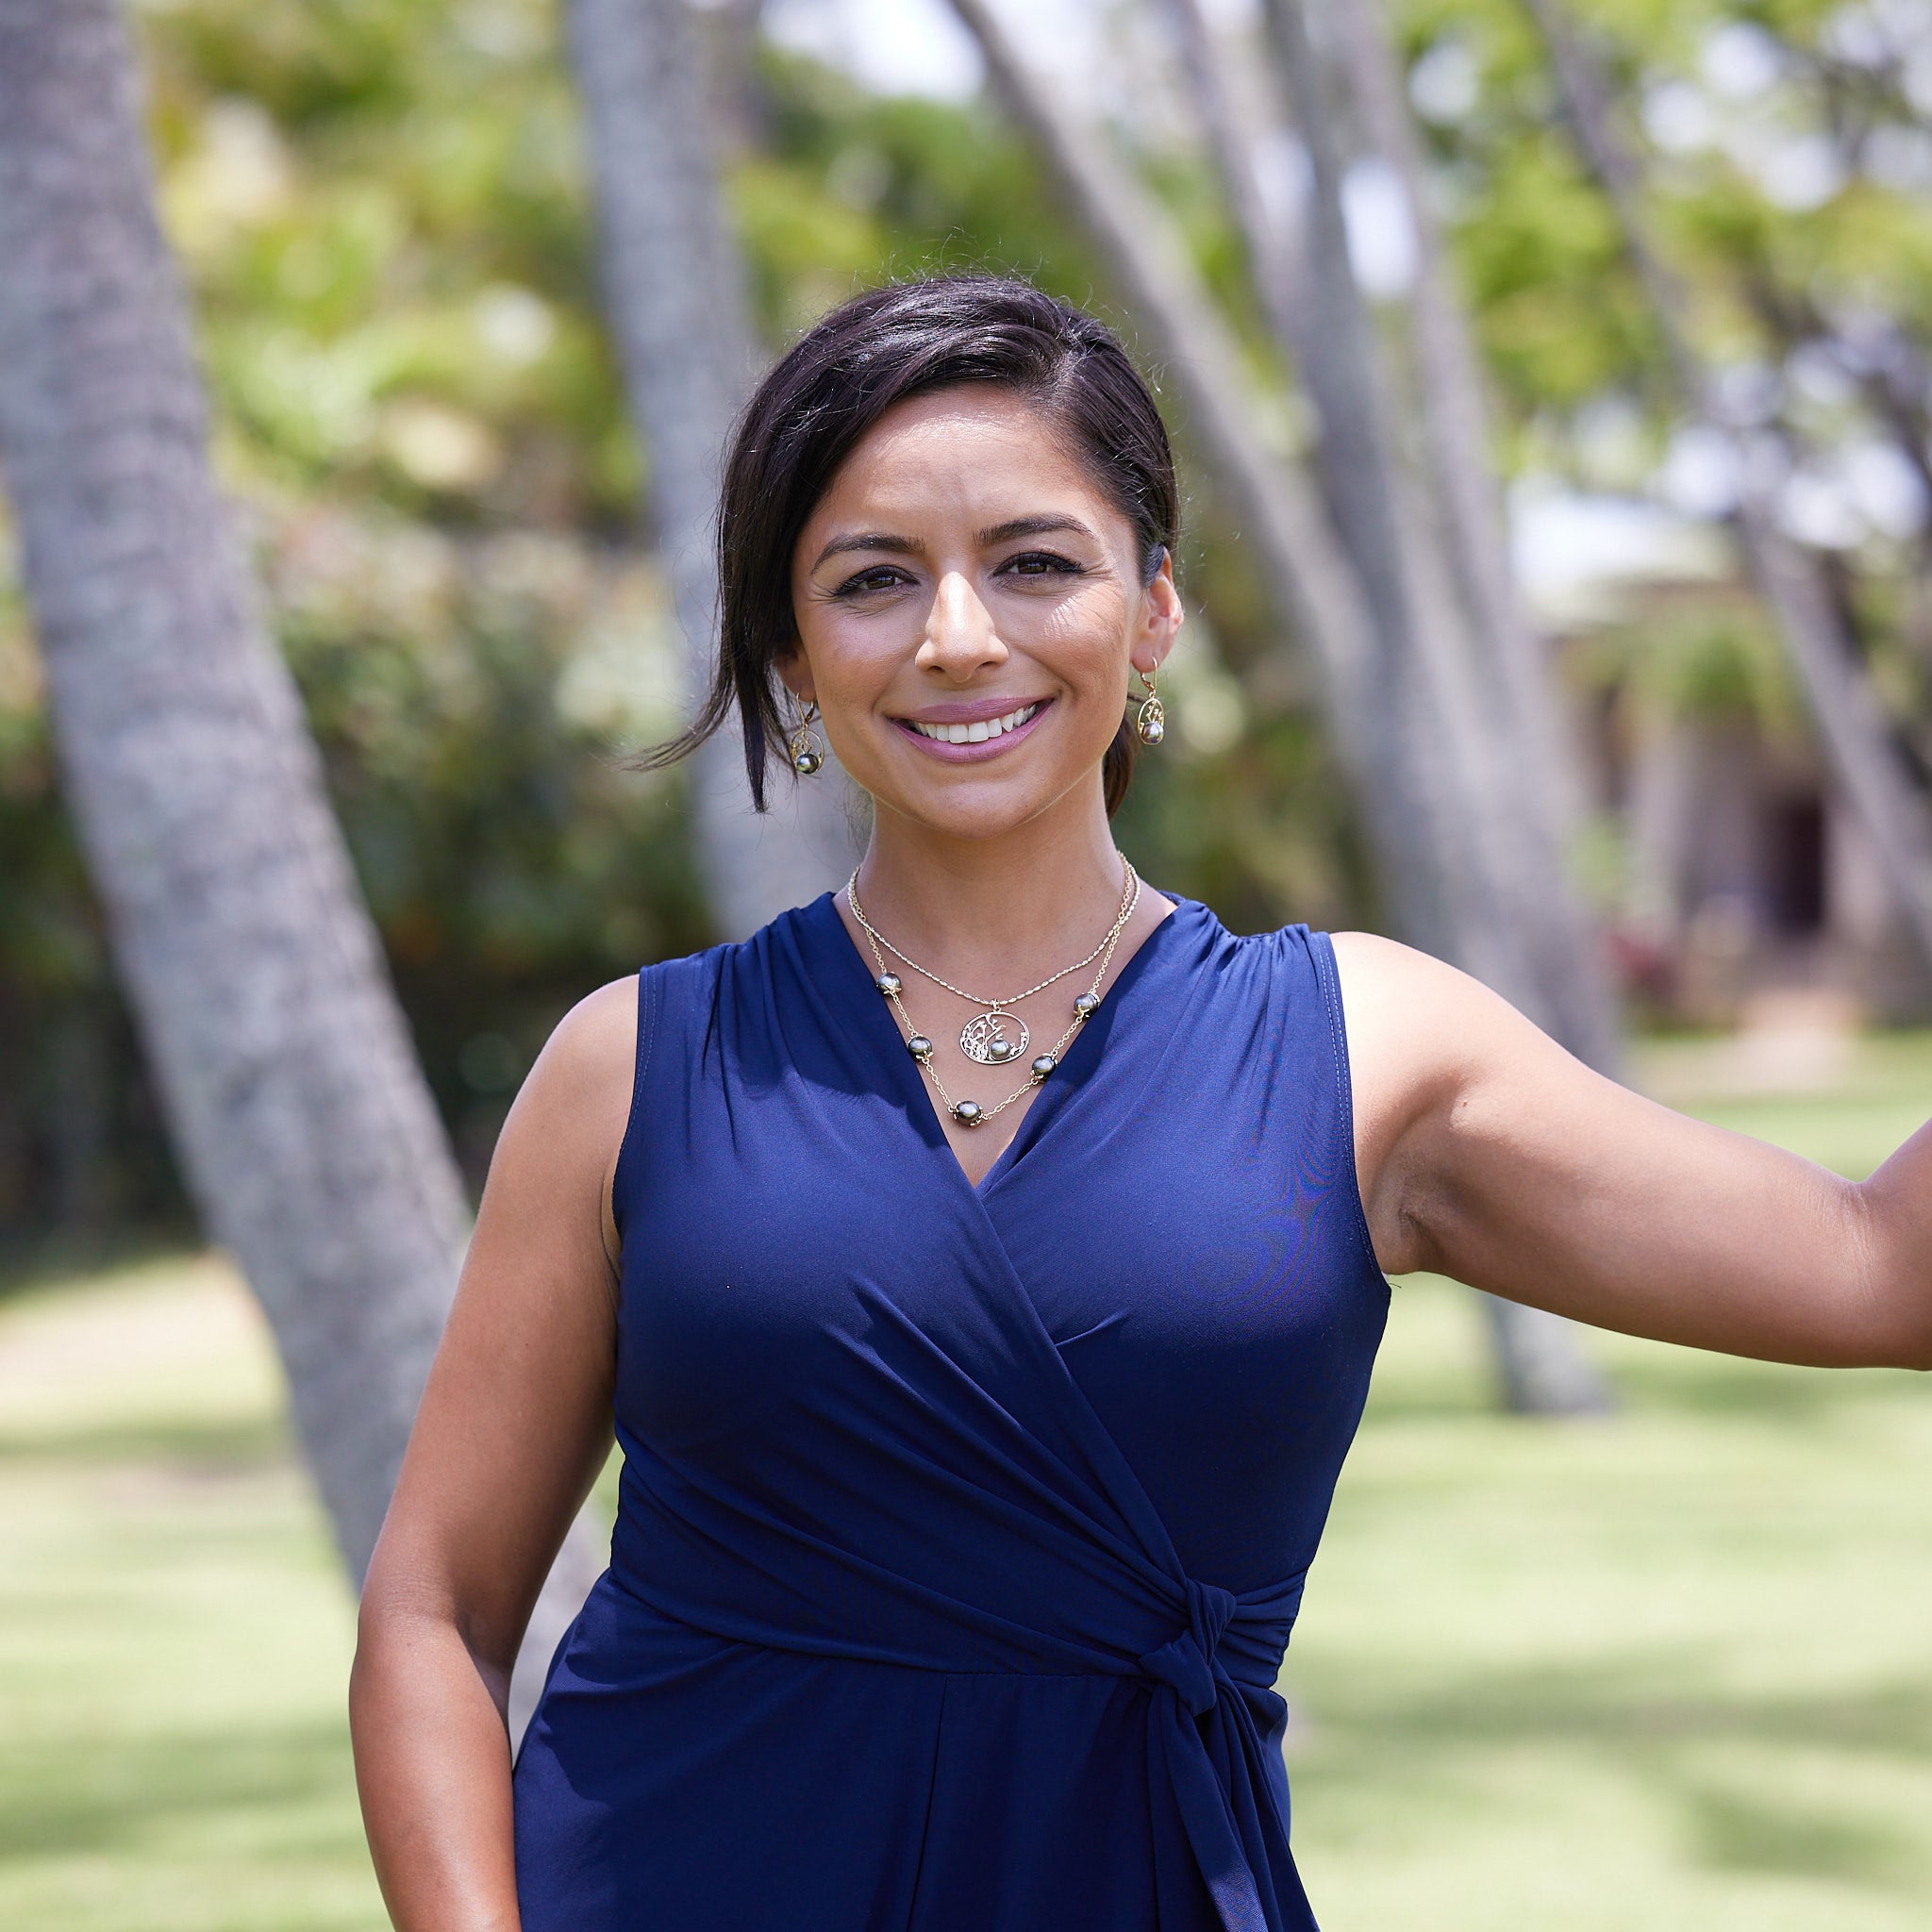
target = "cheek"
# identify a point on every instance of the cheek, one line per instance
(1086, 635)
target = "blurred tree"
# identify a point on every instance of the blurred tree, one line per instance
(1399, 691)
(675, 296)
(306, 1130)
(1853, 728)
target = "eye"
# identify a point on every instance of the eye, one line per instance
(1041, 563)
(881, 576)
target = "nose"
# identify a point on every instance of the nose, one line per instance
(959, 636)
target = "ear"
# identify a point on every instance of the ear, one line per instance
(1162, 614)
(795, 673)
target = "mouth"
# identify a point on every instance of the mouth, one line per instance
(971, 739)
(977, 732)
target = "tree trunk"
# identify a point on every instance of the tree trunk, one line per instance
(305, 1129)
(1416, 804)
(1519, 923)
(1275, 259)
(1851, 721)
(675, 304)
(1537, 764)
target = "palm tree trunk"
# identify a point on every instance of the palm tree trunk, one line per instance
(1521, 926)
(1851, 721)
(1419, 812)
(1509, 658)
(675, 304)
(304, 1126)
(1282, 514)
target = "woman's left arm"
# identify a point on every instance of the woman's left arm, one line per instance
(1488, 1153)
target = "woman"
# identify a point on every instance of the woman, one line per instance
(984, 1263)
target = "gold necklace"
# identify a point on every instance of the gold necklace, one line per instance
(988, 1037)
(984, 1039)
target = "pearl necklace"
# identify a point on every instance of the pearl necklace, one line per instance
(985, 1038)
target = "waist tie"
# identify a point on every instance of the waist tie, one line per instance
(1224, 1823)
(718, 1561)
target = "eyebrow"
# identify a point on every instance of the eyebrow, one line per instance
(1040, 525)
(870, 540)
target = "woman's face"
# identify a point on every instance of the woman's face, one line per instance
(963, 578)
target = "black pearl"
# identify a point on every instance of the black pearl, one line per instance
(1044, 1066)
(889, 984)
(920, 1047)
(967, 1113)
(1001, 1049)
(806, 762)
(1086, 1005)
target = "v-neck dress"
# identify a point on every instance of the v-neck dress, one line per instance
(961, 1528)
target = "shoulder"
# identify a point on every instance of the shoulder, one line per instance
(1414, 1006)
(592, 1050)
(1420, 1034)
(569, 1113)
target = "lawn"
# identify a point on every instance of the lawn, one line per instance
(1672, 1671)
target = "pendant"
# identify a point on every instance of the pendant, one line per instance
(994, 1039)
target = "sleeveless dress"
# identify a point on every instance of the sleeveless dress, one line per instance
(961, 1528)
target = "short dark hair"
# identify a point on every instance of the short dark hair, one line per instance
(910, 339)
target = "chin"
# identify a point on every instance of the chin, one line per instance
(984, 809)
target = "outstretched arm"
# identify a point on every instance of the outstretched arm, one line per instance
(514, 1426)
(1488, 1153)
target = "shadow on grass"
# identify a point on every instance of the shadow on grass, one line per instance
(123, 1799)
(1370, 1731)
(186, 1445)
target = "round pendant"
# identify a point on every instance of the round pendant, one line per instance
(994, 1040)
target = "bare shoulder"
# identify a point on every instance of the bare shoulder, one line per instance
(1420, 1035)
(1413, 1020)
(563, 1131)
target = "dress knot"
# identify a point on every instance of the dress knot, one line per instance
(1186, 1663)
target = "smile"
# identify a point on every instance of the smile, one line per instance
(976, 733)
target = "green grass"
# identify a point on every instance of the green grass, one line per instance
(1672, 1671)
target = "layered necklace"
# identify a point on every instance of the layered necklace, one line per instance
(995, 1036)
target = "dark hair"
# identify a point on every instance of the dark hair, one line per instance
(826, 391)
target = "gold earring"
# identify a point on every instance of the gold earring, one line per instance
(808, 753)
(1151, 725)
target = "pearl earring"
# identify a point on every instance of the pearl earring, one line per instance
(1151, 725)
(808, 753)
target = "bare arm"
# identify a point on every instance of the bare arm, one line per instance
(1486, 1152)
(515, 1426)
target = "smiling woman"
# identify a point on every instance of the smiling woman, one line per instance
(976, 1443)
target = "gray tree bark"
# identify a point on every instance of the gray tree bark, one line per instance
(1392, 704)
(675, 306)
(1850, 718)
(305, 1129)
(1519, 924)
(1534, 757)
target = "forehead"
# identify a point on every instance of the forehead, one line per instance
(980, 452)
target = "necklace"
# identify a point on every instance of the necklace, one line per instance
(985, 1038)
(993, 1037)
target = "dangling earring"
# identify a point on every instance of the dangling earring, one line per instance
(808, 753)
(1151, 725)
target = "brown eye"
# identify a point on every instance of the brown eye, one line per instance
(1041, 563)
(880, 578)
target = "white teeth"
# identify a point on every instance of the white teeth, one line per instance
(974, 734)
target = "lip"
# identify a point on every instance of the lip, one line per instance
(974, 712)
(969, 712)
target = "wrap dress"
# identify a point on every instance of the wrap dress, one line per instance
(961, 1528)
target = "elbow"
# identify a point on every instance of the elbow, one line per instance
(1895, 1282)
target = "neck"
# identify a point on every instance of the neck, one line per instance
(996, 909)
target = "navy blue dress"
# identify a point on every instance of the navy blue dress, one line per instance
(961, 1528)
